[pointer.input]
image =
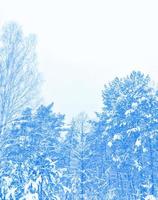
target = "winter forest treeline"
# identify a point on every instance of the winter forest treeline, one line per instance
(112, 157)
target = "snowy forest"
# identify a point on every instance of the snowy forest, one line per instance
(111, 157)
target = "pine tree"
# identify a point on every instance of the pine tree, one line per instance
(78, 152)
(127, 124)
(31, 154)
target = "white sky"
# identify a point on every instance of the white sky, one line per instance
(83, 44)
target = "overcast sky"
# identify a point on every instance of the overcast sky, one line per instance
(83, 44)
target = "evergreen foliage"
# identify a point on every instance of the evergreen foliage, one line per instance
(114, 157)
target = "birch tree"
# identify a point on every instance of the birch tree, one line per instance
(19, 79)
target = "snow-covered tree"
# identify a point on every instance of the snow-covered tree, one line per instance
(78, 153)
(127, 128)
(19, 79)
(31, 152)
